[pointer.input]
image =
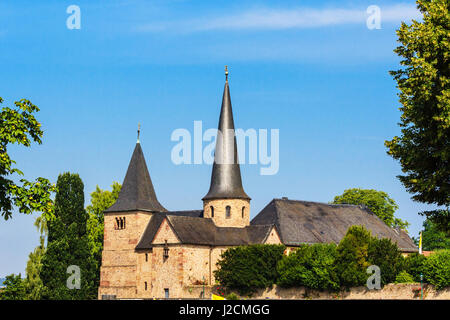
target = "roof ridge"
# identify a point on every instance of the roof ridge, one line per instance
(320, 202)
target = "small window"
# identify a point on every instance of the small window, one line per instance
(212, 211)
(166, 293)
(166, 251)
(228, 212)
(145, 285)
(243, 212)
(146, 257)
(120, 223)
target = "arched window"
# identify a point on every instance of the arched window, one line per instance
(212, 211)
(228, 212)
(243, 212)
(120, 223)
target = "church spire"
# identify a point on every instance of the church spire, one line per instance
(137, 191)
(226, 182)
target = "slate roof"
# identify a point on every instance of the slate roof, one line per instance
(191, 228)
(301, 222)
(137, 191)
(226, 181)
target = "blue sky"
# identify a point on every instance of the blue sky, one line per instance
(311, 69)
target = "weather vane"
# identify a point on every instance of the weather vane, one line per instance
(226, 73)
(138, 131)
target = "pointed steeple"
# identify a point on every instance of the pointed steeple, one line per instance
(226, 181)
(137, 191)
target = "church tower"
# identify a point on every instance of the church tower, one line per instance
(124, 223)
(226, 202)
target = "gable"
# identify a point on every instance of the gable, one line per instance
(273, 237)
(165, 233)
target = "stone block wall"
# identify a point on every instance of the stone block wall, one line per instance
(220, 219)
(119, 260)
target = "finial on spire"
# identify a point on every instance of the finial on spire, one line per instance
(138, 131)
(226, 73)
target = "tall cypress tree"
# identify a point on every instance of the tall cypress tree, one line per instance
(68, 244)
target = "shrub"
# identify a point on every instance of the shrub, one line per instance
(404, 277)
(352, 257)
(247, 268)
(414, 265)
(232, 296)
(312, 266)
(385, 254)
(436, 269)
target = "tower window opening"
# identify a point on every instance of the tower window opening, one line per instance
(243, 212)
(145, 285)
(212, 211)
(166, 251)
(228, 212)
(120, 223)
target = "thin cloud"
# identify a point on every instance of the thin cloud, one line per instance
(271, 19)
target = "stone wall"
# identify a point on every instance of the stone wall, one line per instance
(119, 260)
(220, 219)
(391, 291)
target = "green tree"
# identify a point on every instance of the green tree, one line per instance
(378, 202)
(423, 148)
(352, 257)
(34, 285)
(312, 266)
(385, 254)
(19, 126)
(436, 269)
(100, 201)
(14, 288)
(68, 244)
(247, 268)
(432, 237)
(414, 265)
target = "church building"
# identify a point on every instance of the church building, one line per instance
(150, 252)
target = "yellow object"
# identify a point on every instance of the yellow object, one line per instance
(420, 243)
(216, 297)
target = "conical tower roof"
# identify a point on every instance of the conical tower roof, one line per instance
(137, 191)
(226, 181)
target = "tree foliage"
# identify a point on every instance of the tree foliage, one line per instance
(34, 285)
(433, 238)
(423, 148)
(414, 265)
(15, 288)
(247, 268)
(378, 202)
(385, 254)
(19, 126)
(100, 201)
(352, 257)
(436, 269)
(404, 277)
(311, 266)
(68, 244)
